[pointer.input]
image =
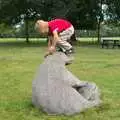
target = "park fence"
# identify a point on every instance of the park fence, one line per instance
(104, 32)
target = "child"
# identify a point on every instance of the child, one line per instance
(59, 32)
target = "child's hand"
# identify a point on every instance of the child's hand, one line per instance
(52, 49)
(47, 53)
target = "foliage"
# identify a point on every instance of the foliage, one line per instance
(5, 28)
(110, 30)
(20, 32)
(82, 13)
(6, 31)
(113, 10)
(13, 11)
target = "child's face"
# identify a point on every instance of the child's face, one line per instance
(43, 30)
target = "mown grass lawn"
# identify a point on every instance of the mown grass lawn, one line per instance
(19, 62)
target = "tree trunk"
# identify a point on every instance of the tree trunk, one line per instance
(99, 21)
(26, 30)
(99, 31)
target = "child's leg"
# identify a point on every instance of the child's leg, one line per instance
(64, 37)
(65, 45)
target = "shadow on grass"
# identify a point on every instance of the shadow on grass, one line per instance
(9, 44)
(88, 43)
(42, 43)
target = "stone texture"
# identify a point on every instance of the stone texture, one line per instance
(57, 91)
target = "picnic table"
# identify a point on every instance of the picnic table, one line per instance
(110, 42)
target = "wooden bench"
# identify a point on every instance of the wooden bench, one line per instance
(110, 42)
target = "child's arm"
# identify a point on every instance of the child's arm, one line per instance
(55, 38)
(49, 41)
(52, 41)
(49, 51)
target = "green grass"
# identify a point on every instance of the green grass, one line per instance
(19, 62)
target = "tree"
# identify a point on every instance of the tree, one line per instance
(113, 9)
(13, 11)
(84, 14)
